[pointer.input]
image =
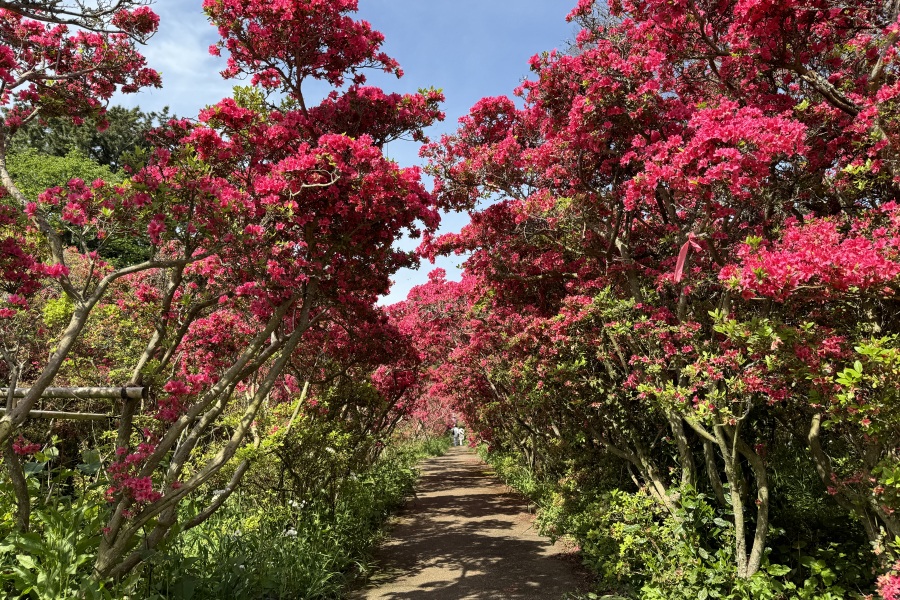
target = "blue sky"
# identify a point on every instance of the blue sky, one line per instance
(469, 48)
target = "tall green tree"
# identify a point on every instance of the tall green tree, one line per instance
(115, 139)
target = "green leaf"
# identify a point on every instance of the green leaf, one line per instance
(26, 561)
(30, 542)
(91, 464)
(33, 468)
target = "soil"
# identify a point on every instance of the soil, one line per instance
(466, 536)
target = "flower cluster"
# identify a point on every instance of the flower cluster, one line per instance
(90, 65)
(822, 259)
(23, 447)
(889, 584)
(126, 480)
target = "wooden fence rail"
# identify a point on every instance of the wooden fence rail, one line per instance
(66, 416)
(121, 393)
(134, 393)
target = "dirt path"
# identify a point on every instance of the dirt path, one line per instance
(465, 536)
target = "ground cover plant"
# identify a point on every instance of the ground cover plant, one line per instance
(262, 546)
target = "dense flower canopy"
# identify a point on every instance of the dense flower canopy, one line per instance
(680, 285)
(691, 228)
(265, 231)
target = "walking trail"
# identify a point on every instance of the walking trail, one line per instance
(466, 537)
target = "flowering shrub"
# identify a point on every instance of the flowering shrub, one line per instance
(264, 228)
(686, 277)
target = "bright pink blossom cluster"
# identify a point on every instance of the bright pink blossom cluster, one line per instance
(325, 43)
(23, 447)
(89, 66)
(889, 584)
(823, 258)
(126, 481)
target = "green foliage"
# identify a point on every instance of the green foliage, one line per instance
(250, 97)
(641, 549)
(123, 141)
(106, 350)
(57, 312)
(633, 541)
(869, 393)
(435, 446)
(262, 544)
(35, 172)
(54, 559)
(265, 546)
(515, 474)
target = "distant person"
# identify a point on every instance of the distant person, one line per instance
(461, 434)
(454, 434)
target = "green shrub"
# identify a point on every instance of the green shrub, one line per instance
(641, 550)
(55, 558)
(434, 446)
(632, 541)
(516, 475)
(259, 547)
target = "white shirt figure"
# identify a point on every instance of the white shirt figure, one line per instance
(454, 433)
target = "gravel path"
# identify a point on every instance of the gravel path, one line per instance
(465, 536)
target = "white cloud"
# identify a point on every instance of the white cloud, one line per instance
(180, 51)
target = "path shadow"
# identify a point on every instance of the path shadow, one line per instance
(465, 536)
